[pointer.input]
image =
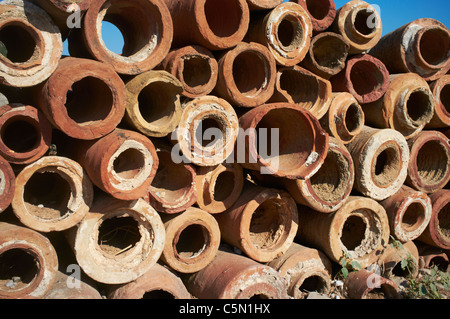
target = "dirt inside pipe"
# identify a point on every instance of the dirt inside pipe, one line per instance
(386, 165)
(385, 291)
(117, 235)
(330, 52)
(444, 221)
(413, 216)
(432, 162)
(18, 269)
(191, 242)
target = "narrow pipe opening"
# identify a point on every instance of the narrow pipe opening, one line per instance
(158, 294)
(223, 17)
(353, 118)
(318, 8)
(209, 132)
(398, 271)
(314, 283)
(224, 186)
(413, 216)
(267, 224)
(116, 235)
(386, 166)
(432, 162)
(20, 135)
(46, 195)
(385, 291)
(196, 71)
(18, 269)
(353, 232)
(290, 32)
(172, 180)
(435, 46)
(330, 52)
(129, 163)
(444, 97)
(419, 107)
(89, 99)
(366, 77)
(365, 21)
(192, 241)
(18, 51)
(249, 73)
(302, 88)
(440, 262)
(444, 221)
(331, 182)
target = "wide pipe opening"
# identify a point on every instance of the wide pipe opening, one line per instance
(318, 8)
(249, 73)
(18, 269)
(419, 107)
(224, 17)
(413, 216)
(192, 241)
(432, 162)
(129, 163)
(365, 22)
(353, 232)
(330, 52)
(435, 46)
(366, 77)
(210, 132)
(196, 71)
(313, 283)
(117, 235)
(20, 134)
(444, 97)
(290, 32)
(18, 51)
(302, 88)
(386, 165)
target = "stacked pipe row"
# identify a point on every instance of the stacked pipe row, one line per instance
(107, 163)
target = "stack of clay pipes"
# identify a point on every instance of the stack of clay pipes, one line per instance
(235, 149)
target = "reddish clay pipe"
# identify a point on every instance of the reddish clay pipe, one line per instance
(381, 158)
(153, 103)
(420, 46)
(83, 98)
(157, 283)
(303, 88)
(34, 58)
(232, 276)
(305, 269)
(246, 75)
(436, 233)
(27, 254)
(61, 204)
(7, 184)
(407, 106)
(146, 27)
(207, 131)
(430, 256)
(409, 212)
(122, 163)
(327, 189)
(360, 228)
(327, 54)
(344, 119)
(363, 284)
(263, 4)
(441, 93)
(391, 258)
(195, 67)
(70, 287)
(360, 25)
(216, 25)
(26, 133)
(118, 241)
(321, 12)
(285, 30)
(173, 189)
(429, 164)
(364, 76)
(262, 222)
(192, 240)
(218, 187)
(301, 140)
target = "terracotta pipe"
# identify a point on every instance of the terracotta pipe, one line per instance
(381, 158)
(52, 194)
(327, 189)
(247, 75)
(118, 241)
(153, 103)
(83, 98)
(173, 189)
(192, 240)
(360, 228)
(390, 261)
(305, 269)
(232, 276)
(430, 256)
(146, 27)
(429, 164)
(157, 283)
(195, 67)
(420, 46)
(407, 106)
(28, 263)
(364, 76)
(207, 131)
(122, 163)
(25, 133)
(344, 119)
(436, 233)
(262, 223)
(214, 24)
(301, 87)
(70, 287)
(364, 284)
(302, 144)
(327, 54)
(263, 4)
(360, 24)
(218, 187)
(34, 58)
(321, 12)
(285, 30)
(441, 93)
(409, 212)
(7, 184)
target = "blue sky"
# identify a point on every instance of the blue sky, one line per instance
(394, 14)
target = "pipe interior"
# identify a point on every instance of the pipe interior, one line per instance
(440, 262)
(353, 232)
(192, 241)
(224, 185)
(366, 77)
(129, 163)
(444, 221)
(364, 21)
(210, 132)
(413, 216)
(118, 234)
(385, 291)
(318, 8)
(419, 107)
(249, 73)
(302, 88)
(353, 118)
(435, 46)
(196, 71)
(444, 97)
(20, 134)
(18, 51)
(290, 32)
(330, 52)
(432, 162)
(387, 165)
(313, 283)
(18, 269)
(224, 17)
(158, 294)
